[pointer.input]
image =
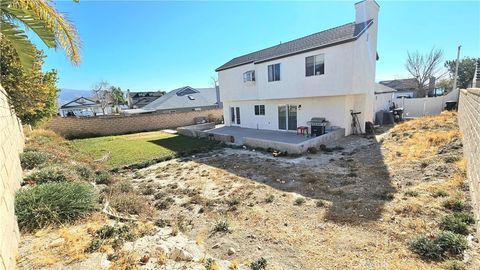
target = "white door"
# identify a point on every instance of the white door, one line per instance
(235, 116)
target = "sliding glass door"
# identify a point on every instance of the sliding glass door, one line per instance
(287, 117)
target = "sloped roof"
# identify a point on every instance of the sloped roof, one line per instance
(80, 102)
(401, 84)
(382, 89)
(341, 34)
(184, 97)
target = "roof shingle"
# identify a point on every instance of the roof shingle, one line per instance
(327, 38)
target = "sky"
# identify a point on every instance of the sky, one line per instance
(159, 45)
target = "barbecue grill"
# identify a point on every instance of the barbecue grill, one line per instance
(318, 125)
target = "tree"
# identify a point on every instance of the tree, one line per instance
(32, 94)
(423, 67)
(466, 71)
(118, 97)
(41, 18)
(101, 91)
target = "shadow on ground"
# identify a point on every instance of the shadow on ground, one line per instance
(354, 181)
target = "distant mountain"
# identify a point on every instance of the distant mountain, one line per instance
(67, 95)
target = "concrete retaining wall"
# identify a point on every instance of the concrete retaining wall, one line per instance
(198, 131)
(469, 121)
(115, 125)
(11, 144)
(293, 148)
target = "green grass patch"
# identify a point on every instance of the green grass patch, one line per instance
(124, 150)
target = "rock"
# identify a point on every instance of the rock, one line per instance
(179, 254)
(145, 259)
(57, 242)
(231, 251)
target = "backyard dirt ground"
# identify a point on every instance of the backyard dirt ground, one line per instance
(354, 205)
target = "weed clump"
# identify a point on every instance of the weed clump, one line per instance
(102, 177)
(439, 247)
(300, 201)
(454, 205)
(222, 226)
(31, 159)
(260, 264)
(53, 203)
(440, 193)
(411, 193)
(84, 171)
(457, 223)
(53, 173)
(269, 198)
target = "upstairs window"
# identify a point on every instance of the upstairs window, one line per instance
(274, 72)
(259, 109)
(315, 65)
(249, 76)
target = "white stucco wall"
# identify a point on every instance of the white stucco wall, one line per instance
(383, 101)
(348, 82)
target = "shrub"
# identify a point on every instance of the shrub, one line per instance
(148, 190)
(165, 203)
(54, 173)
(300, 201)
(440, 193)
(455, 265)
(438, 247)
(102, 177)
(269, 198)
(454, 205)
(222, 226)
(260, 264)
(411, 193)
(31, 159)
(454, 224)
(84, 171)
(130, 203)
(53, 203)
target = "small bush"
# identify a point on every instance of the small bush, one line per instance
(300, 201)
(455, 265)
(269, 198)
(454, 224)
(102, 177)
(148, 190)
(54, 173)
(440, 193)
(454, 205)
(439, 247)
(31, 159)
(165, 203)
(53, 203)
(260, 264)
(94, 245)
(233, 201)
(321, 203)
(84, 171)
(222, 226)
(411, 193)
(130, 203)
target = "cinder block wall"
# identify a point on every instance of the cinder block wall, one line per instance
(70, 127)
(11, 144)
(469, 121)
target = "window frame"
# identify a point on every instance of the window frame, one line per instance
(274, 72)
(250, 74)
(315, 63)
(259, 110)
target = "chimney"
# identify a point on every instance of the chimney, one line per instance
(366, 10)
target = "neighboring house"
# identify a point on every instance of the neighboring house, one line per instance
(405, 87)
(82, 107)
(326, 74)
(384, 97)
(137, 100)
(180, 100)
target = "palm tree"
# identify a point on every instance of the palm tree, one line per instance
(45, 21)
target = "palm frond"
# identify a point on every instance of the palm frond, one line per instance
(31, 21)
(65, 33)
(24, 48)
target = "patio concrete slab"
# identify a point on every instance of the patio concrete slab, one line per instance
(271, 135)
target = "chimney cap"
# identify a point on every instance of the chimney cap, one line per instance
(368, 1)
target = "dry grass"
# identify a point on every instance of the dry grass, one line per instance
(125, 261)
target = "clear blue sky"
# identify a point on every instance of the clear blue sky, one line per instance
(163, 45)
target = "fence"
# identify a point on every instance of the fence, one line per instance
(70, 127)
(415, 107)
(469, 121)
(11, 144)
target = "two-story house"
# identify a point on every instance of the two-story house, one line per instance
(327, 74)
